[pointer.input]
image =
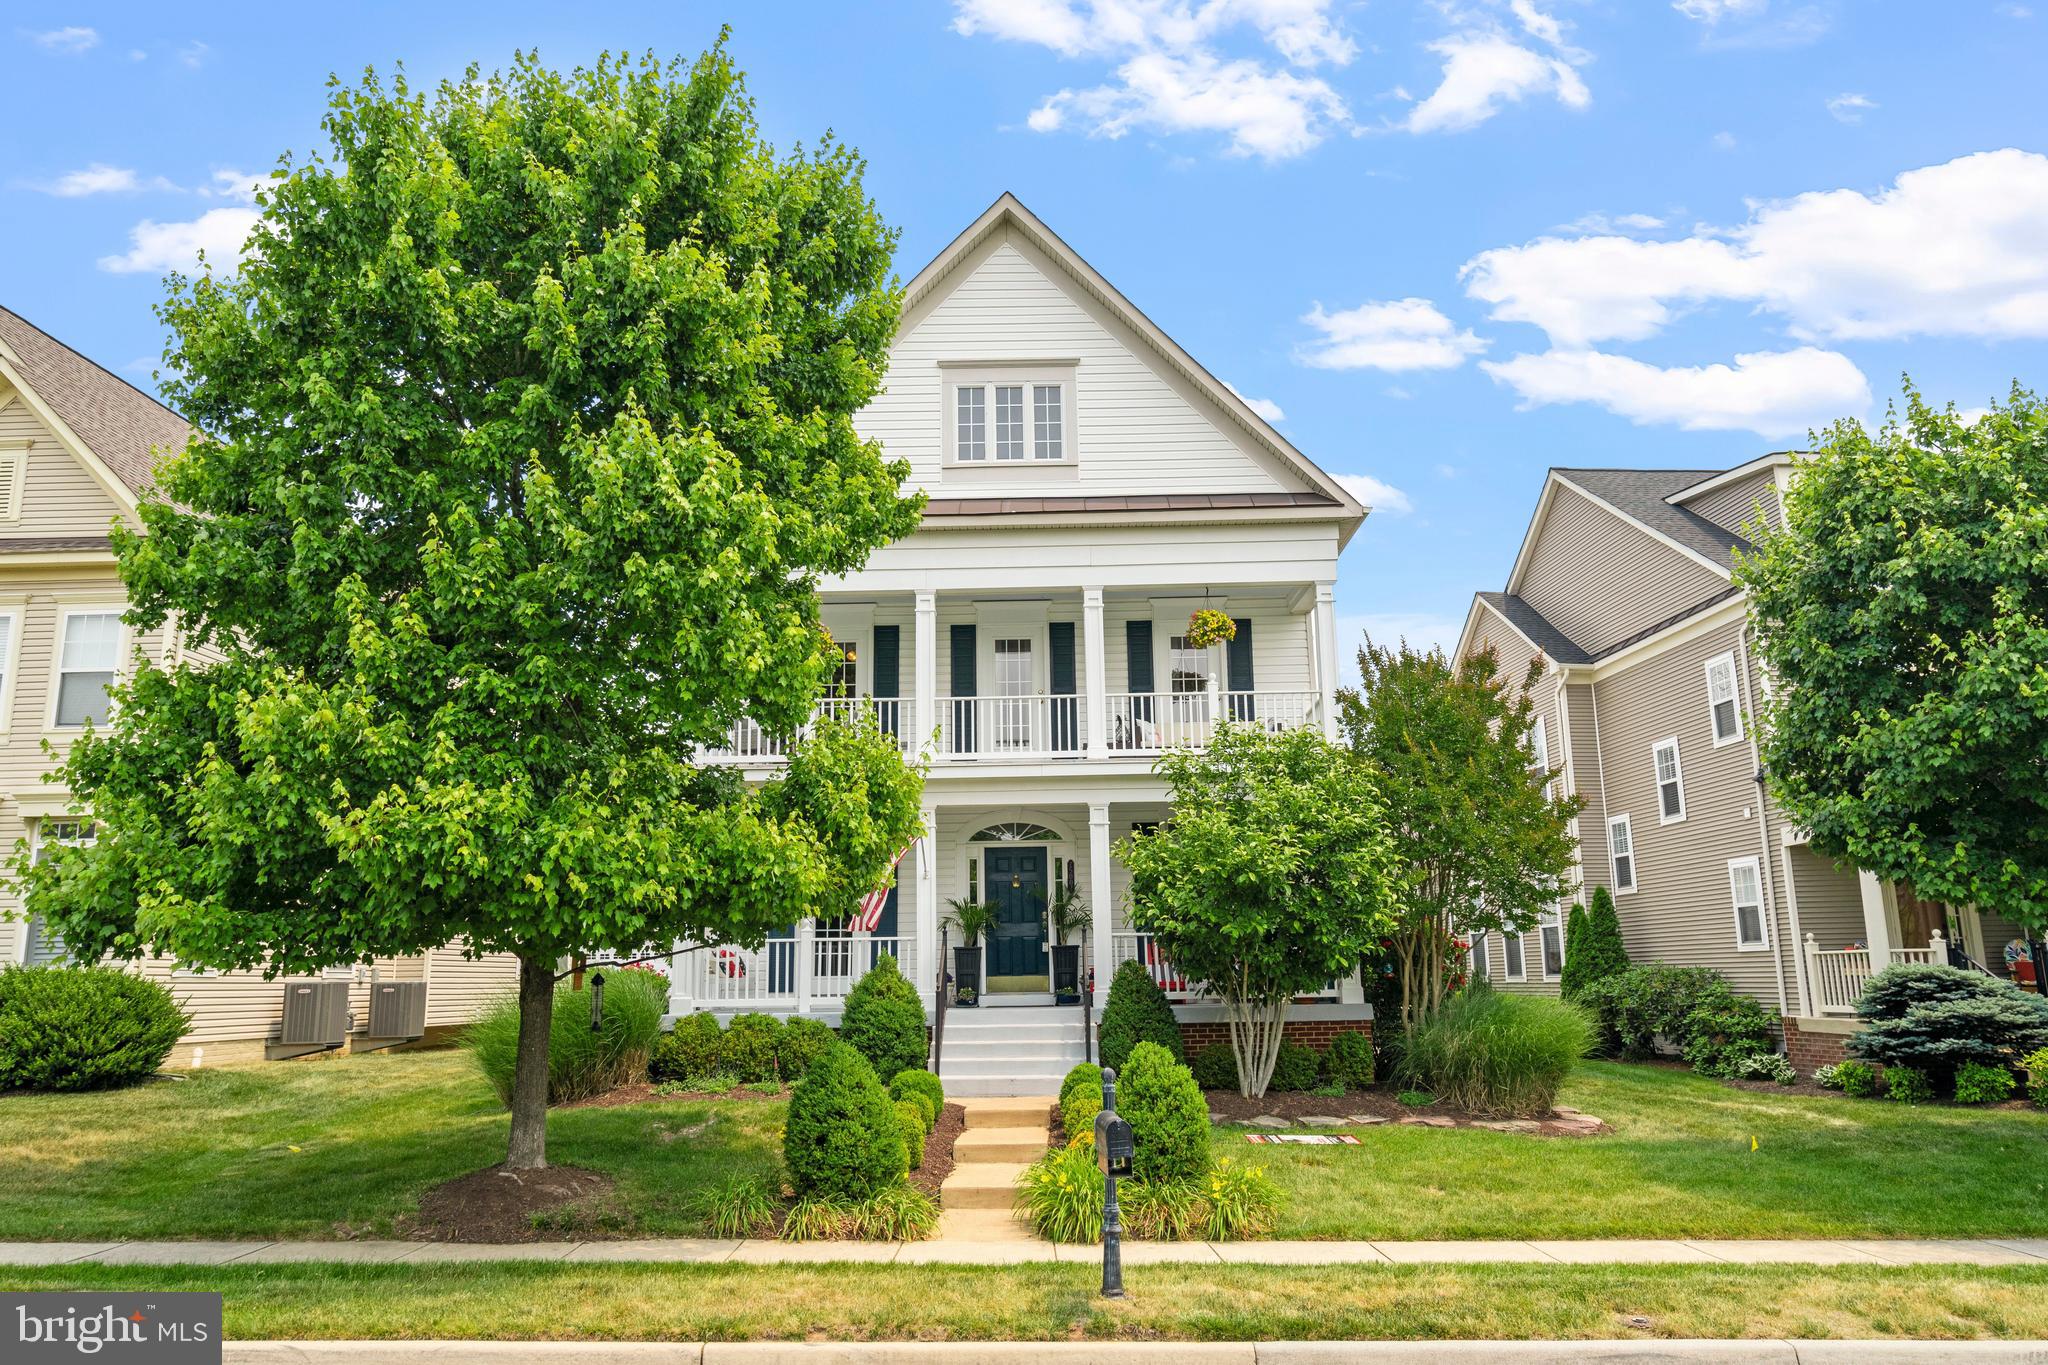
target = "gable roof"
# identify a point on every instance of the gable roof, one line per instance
(1009, 211)
(1532, 626)
(1644, 497)
(117, 424)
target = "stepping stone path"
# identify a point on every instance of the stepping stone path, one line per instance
(1323, 1121)
(1002, 1137)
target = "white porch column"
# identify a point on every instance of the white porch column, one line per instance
(1101, 896)
(928, 964)
(1323, 624)
(806, 963)
(926, 670)
(1877, 921)
(1096, 668)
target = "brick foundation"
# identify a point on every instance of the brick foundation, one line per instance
(1808, 1051)
(1315, 1033)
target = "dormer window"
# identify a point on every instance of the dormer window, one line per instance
(1009, 417)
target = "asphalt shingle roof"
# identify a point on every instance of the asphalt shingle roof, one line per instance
(1641, 494)
(1533, 624)
(120, 423)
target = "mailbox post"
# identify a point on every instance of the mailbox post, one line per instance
(1113, 1153)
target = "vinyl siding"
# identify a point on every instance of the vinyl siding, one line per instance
(1548, 696)
(1830, 899)
(1735, 506)
(458, 985)
(1601, 580)
(58, 497)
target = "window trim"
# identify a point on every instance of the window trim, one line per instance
(1031, 375)
(123, 643)
(1553, 923)
(1476, 963)
(1521, 950)
(33, 829)
(1613, 869)
(10, 659)
(1677, 780)
(1734, 696)
(1763, 919)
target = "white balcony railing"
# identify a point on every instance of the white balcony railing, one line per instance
(1153, 722)
(1142, 948)
(1012, 727)
(1838, 975)
(813, 970)
(747, 742)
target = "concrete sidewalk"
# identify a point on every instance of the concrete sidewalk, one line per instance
(1987, 1251)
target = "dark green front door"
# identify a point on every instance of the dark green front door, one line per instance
(1016, 882)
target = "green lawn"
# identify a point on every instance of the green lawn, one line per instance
(1057, 1302)
(1678, 1164)
(340, 1146)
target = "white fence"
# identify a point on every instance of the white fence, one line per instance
(1837, 975)
(747, 742)
(1153, 722)
(1177, 988)
(1012, 727)
(813, 970)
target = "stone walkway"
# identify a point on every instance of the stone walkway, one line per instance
(1014, 1251)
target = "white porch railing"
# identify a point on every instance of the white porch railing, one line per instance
(813, 970)
(1152, 722)
(1012, 727)
(1142, 948)
(747, 742)
(1838, 975)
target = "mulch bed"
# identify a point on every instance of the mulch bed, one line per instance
(938, 1150)
(1227, 1106)
(497, 1205)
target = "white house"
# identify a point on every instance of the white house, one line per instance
(1090, 485)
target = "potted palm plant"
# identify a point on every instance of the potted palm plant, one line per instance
(972, 918)
(1069, 917)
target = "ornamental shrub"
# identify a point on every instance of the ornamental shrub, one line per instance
(1592, 946)
(1904, 1085)
(1828, 1077)
(1215, 1067)
(910, 1114)
(581, 1061)
(2037, 1077)
(883, 1020)
(83, 1028)
(1762, 1066)
(1294, 1068)
(1724, 1031)
(1977, 1083)
(842, 1139)
(799, 1044)
(1080, 1102)
(1136, 1012)
(1496, 1055)
(1633, 1006)
(1061, 1195)
(1169, 1118)
(688, 1049)
(1859, 1080)
(1348, 1063)
(923, 1087)
(747, 1051)
(1933, 1019)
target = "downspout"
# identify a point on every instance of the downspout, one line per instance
(1763, 829)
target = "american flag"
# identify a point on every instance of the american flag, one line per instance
(869, 917)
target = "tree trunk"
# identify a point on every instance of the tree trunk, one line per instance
(528, 1149)
(1256, 1028)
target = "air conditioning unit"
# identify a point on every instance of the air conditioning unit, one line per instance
(398, 1009)
(315, 1014)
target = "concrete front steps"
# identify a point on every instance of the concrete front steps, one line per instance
(1002, 1137)
(1010, 1050)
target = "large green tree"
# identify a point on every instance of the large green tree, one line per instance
(1481, 830)
(1903, 616)
(1273, 876)
(522, 438)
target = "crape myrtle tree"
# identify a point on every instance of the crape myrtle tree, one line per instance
(1273, 875)
(1902, 613)
(522, 438)
(1481, 834)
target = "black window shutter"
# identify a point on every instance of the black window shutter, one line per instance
(963, 686)
(1066, 711)
(886, 667)
(1138, 654)
(1237, 672)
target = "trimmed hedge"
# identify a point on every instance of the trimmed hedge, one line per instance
(923, 1087)
(1136, 1012)
(1215, 1067)
(1169, 1118)
(883, 1020)
(747, 1051)
(1295, 1068)
(1080, 1102)
(910, 1113)
(801, 1042)
(843, 1138)
(1348, 1063)
(83, 1028)
(687, 1050)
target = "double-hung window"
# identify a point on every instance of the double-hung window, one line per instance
(1670, 781)
(86, 661)
(1621, 847)
(1002, 419)
(45, 948)
(1515, 968)
(1722, 708)
(1479, 967)
(971, 413)
(1746, 889)
(1550, 934)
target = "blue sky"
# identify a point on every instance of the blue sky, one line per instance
(1449, 243)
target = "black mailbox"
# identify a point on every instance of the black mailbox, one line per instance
(1113, 1146)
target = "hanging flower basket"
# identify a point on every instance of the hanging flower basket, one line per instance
(1207, 627)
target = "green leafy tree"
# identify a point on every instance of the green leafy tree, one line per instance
(1481, 835)
(1592, 945)
(524, 438)
(1903, 614)
(1274, 875)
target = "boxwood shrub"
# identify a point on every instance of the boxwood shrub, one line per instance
(1294, 1068)
(799, 1044)
(747, 1050)
(1168, 1117)
(910, 1114)
(1136, 1012)
(1348, 1063)
(83, 1028)
(689, 1049)
(1215, 1067)
(884, 1021)
(842, 1139)
(1080, 1101)
(923, 1087)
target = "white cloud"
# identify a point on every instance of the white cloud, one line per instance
(1771, 393)
(98, 178)
(70, 40)
(1754, 23)
(1724, 141)
(1401, 334)
(1849, 107)
(1262, 112)
(1714, 11)
(158, 248)
(1620, 222)
(1380, 497)
(1486, 70)
(1264, 407)
(2016, 11)
(1956, 249)
(194, 54)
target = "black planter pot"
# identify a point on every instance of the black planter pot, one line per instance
(966, 976)
(1066, 973)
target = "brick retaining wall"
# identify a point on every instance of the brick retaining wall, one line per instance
(1807, 1051)
(1315, 1033)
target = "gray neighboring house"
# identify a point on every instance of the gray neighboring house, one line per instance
(1624, 588)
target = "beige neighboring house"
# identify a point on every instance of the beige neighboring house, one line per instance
(77, 445)
(1624, 588)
